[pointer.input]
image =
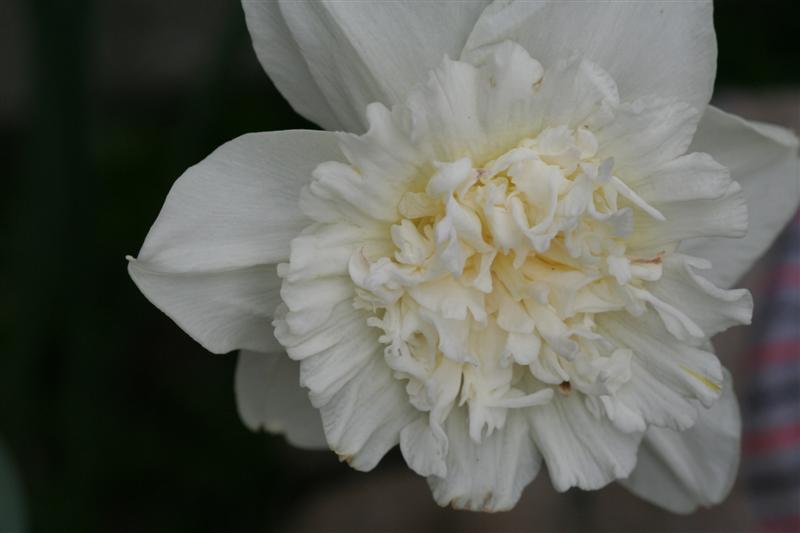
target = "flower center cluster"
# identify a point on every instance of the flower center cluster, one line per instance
(498, 271)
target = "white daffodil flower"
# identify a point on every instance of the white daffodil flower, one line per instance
(521, 261)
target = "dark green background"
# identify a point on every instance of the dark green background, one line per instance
(116, 419)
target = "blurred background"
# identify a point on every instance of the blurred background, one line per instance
(111, 418)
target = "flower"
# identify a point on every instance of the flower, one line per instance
(511, 266)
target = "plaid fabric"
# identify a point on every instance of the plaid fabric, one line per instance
(772, 406)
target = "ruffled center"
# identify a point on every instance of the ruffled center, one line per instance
(498, 270)
(493, 266)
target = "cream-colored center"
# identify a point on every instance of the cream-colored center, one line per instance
(498, 271)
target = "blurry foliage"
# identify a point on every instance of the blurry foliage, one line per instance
(117, 420)
(12, 505)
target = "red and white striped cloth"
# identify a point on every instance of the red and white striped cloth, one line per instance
(772, 403)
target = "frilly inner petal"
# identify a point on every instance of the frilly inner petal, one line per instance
(497, 256)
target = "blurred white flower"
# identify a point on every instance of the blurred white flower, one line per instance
(513, 265)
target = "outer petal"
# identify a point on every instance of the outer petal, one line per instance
(206, 261)
(424, 447)
(280, 56)
(363, 407)
(711, 308)
(580, 449)
(223, 311)
(488, 476)
(763, 159)
(646, 134)
(725, 216)
(238, 207)
(354, 53)
(692, 176)
(269, 397)
(519, 97)
(682, 470)
(690, 371)
(668, 377)
(364, 419)
(482, 107)
(650, 48)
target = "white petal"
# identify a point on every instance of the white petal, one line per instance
(711, 308)
(326, 372)
(384, 153)
(479, 108)
(367, 199)
(364, 419)
(660, 48)
(683, 470)
(302, 341)
(690, 177)
(726, 216)
(444, 113)
(354, 53)
(450, 299)
(424, 447)
(518, 98)
(269, 398)
(281, 57)
(223, 311)
(239, 206)
(646, 134)
(333, 348)
(658, 403)
(509, 77)
(488, 476)
(581, 450)
(763, 159)
(206, 260)
(691, 372)
(325, 250)
(363, 406)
